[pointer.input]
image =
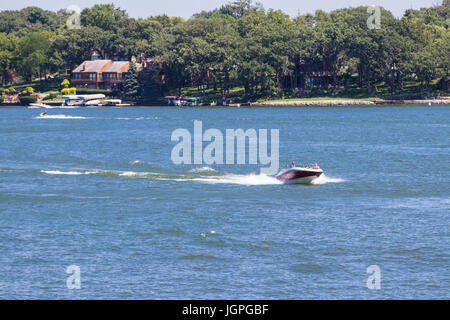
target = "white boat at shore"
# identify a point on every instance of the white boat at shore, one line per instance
(92, 103)
(39, 106)
(113, 103)
(83, 100)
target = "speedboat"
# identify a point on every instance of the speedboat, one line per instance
(112, 102)
(92, 103)
(39, 105)
(299, 175)
(72, 103)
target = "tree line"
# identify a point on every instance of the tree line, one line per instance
(239, 45)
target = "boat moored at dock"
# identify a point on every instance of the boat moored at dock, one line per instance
(83, 100)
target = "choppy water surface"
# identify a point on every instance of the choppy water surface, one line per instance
(97, 188)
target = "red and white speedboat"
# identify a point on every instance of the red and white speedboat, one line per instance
(299, 175)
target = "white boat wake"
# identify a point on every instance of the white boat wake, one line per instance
(247, 180)
(60, 116)
(323, 179)
(227, 178)
(69, 173)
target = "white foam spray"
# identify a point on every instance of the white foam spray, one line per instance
(203, 169)
(69, 173)
(60, 116)
(248, 180)
(323, 179)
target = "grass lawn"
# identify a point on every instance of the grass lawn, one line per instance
(42, 86)
(411, 90)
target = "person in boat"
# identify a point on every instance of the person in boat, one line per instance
(316, 166)
(293, 164)
(303, 166)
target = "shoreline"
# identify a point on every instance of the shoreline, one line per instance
(299, 103)
(349, 102)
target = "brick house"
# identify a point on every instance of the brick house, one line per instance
(100, 74)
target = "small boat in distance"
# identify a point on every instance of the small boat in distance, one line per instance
(184, 101)
(298, 175)
(39, 105)
(112, 102)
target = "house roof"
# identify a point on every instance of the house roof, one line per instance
(116, 66)
(91, 66)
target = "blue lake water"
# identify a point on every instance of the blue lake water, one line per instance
(96, 188)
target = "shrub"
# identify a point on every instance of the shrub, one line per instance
(9, 91)
(69, 91)
(28, 91)
(26, 100)
(65, 83)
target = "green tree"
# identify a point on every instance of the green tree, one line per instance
(265, 52)
(31, 19)
(131, 86)
(104, 16)
(32, 54)
(151, 89)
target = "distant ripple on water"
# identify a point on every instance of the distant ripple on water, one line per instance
(97, 188)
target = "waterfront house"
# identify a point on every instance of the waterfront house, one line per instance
(316, 72)
(100, 74)
(307, 73)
